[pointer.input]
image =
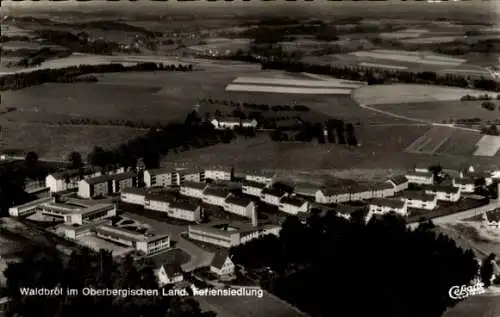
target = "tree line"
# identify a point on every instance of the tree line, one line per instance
(42, 267)
(329, 266)
(71, 74)
(255, 106)
(378, 76)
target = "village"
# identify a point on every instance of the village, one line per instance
(187, 219)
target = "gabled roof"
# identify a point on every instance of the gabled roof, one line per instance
(391, 203)
(419, 196)
(194, 185)
(398, 179)
(293, 201)
(239, 201)
(382, 186)
(160, 196)
(172, 270)
(219, 260)
(135, 190)
(253, 184)
(276, 192)
(443, 189)
(216, 192)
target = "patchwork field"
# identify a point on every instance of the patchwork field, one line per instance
(488, 145)
(221, 44)
(410, 57)
(403, 34)
(411, 93)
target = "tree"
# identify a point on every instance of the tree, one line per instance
(487, 269)
(76, 160)
(31, 159)
(98, 157)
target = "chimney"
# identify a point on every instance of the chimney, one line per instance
(254, 217)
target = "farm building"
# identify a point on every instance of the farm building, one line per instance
(420, 177)
(444, 193)
(385, 206)
(466, 184)
(215, 196)
(106, 184)
(241, 206)
(252, 188)
(133, 195)
(420, 201)
(400, 183)
(264, 178)
(147, 244)
(168, 274)
(62, 181)
(28, 208)
(184, 211)
(293, 206)
(221, 173)
(272, 196)
(222, 264)
(193, 189)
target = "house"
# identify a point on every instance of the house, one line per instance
(215, 196)
(62, 181)
(293, 206)
(400, 182)
(385, 206)
(264, 178)
(252, 188)
(492, 219)
(185, 211)
(222, 264)
(466, 184)
(332, 195)
(221, 173)
(272, 196)
(168, 274)
(133, 195)
(106, 184)
(420, 200)
(420, 177)
(193, 189)
(444, 193)
(241, 206)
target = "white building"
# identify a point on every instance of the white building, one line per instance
(420, 177)
(62, 181)
(264, 178)
(193, 189)
(223, 173)
(76, 214)
(420, 201)
(222, 264)
(385, 206)
(466, 185)
(74, 232)
(28, 208)
(293, 206)
(272, 196)
(169, 274)
(184, 211)
(444, 193)
(160, 177)
(400, 182)
(241, 206)
(332, 195)
(133, 195)
(215, 196)
(252, 188)
(232, 123)
(106, 184)
(382, 190)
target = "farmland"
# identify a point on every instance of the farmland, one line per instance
(488, 145)
(410, 57)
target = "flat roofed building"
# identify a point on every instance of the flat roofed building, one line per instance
(28, 208)
(74, 231)
(241, 206)
(106, 184)
(193, 189)
(420, 177)
(253, 188)
(75, 214)
(420, 200)
(215, 196)
(466, 184)
(293, 205)
(219, 173)
(272, 196)
(185, 211)
(133, 195)
(385, 206)
(160, 177)
(444, 193)
(159, 201)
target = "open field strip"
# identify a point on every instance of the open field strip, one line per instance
(461, 143)
(288, 90)
(488, 145)
(430, 40)
(409, 57)
(334, 83)
(375, 65)
(468, 71)
(411, 93)
(431, 141)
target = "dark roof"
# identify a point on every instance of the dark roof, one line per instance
(398, 179)
(253, 184)
(239, 201)
(382, 185)
(419, 196)
(423, 174)
(216, 191)
(392, 203)
(161, 196)
(184, 206)
(276, 192)
(442, 189)
(346, 189)
(126, 175)
(135, 190)
(219, 260)
(172, 269)
(493, 216)
(292, 201)
(105, 178)
(195, 185)
(159, 171)
(464, 181)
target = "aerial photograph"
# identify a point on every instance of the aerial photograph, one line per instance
(250, 158)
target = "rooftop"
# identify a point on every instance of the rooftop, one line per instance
(292, 201)
(135, 190)
(419, 174)
(276, 192)
(105, 178)
(253, 184)
(219, 259)
(160, 196)
(442, 189)
(239, 201)
(216, 192)
(398, 179)
(392, 203)
(464, 181)
(418, 196)
(126, 234)
(184, 206)
(195, 185)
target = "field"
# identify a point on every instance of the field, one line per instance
(410, 57)
(430, 40)
(403, 34)
(221, 45)
(411, 93)
(488, 145)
